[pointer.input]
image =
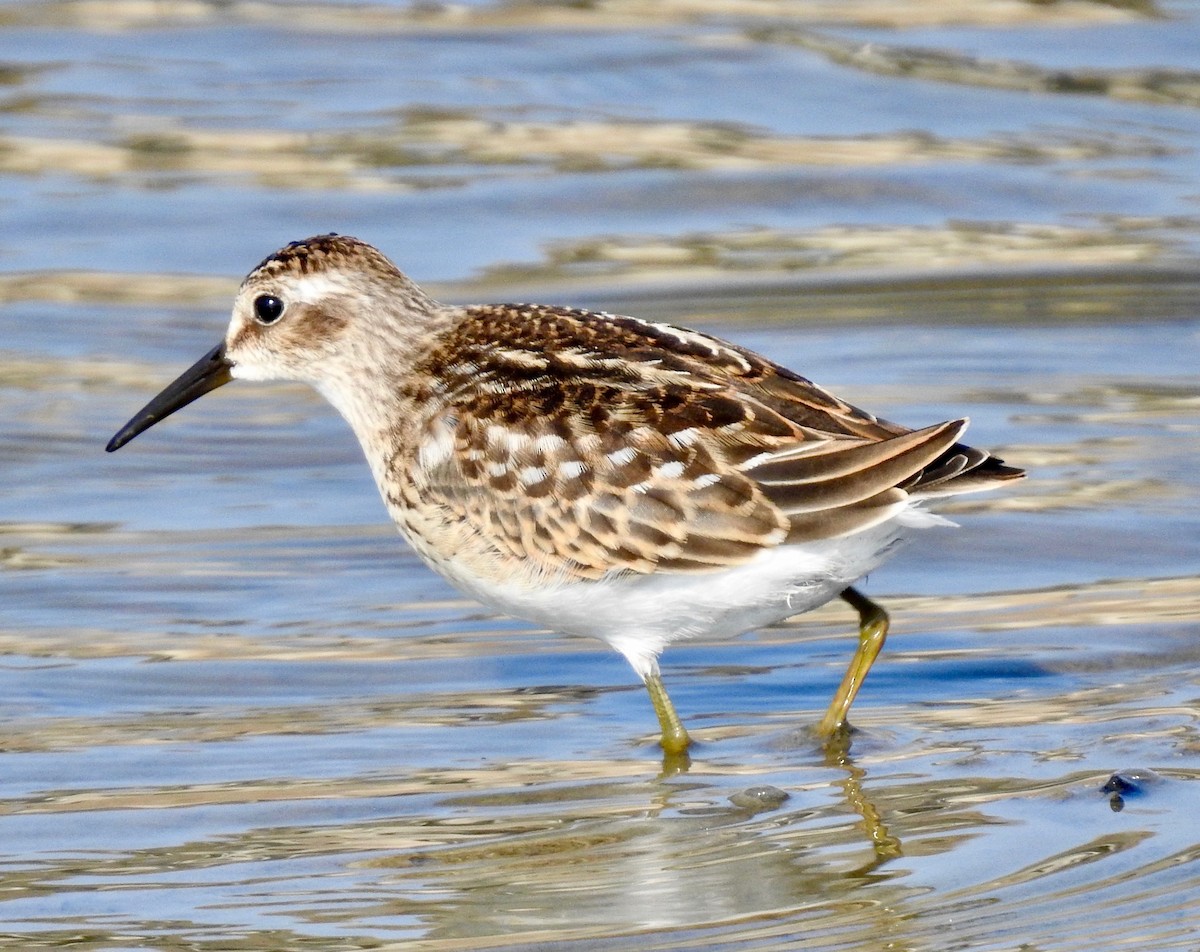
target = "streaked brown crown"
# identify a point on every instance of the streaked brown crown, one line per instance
(322, 253)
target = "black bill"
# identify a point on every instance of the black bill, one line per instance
(209, 372)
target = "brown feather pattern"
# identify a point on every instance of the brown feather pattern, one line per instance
(589, 444)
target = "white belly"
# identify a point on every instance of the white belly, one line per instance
(640, 615)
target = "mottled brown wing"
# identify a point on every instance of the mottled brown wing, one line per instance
(584, 498)
(590, 444)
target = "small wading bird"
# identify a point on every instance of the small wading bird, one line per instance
(599, 475)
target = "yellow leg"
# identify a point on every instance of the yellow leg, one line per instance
(675, 738)
(872, 631)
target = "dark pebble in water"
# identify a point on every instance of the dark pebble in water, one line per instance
(1130, 781)
(765, 797)
(1125, 783)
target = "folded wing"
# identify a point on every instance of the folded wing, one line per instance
(682, 454)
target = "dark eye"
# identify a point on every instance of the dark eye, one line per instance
(267, 308)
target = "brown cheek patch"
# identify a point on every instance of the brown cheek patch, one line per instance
(319, 323)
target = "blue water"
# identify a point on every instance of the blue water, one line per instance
(237, 711)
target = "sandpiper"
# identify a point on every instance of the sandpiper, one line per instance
(597, 474)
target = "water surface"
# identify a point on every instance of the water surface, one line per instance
(238, 713)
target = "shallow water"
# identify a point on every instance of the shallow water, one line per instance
(237, 713)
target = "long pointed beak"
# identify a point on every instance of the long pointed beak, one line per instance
(209, 372)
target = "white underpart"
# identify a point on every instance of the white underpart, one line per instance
(639, 615)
